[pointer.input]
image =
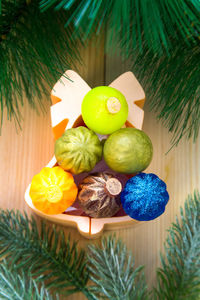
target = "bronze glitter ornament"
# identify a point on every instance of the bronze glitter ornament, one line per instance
(99, 195)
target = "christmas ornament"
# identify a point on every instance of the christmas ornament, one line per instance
(53, 190)
(144, 197)
(128, 150)
(78, 150)
(104, 109)
(67, 96)
(99, 195)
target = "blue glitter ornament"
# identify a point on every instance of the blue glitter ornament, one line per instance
(144, 197)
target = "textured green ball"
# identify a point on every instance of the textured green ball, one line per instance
(78, 150)
(128, 150)
(104, 109)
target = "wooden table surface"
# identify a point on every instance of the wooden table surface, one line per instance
(23, 154)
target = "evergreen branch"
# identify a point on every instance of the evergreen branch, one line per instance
(48, 257)
(172, 86)
(17, 285)
(35, 51)
(136, 23)
(179, 276)
(10, 13)
(112, 271)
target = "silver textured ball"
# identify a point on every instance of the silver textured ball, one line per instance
(99, 195)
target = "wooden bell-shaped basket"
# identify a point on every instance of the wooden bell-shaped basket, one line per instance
(67, 96)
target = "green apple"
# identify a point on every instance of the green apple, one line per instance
(104, 109)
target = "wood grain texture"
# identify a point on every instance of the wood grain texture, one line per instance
(23, 154)
(180, 169)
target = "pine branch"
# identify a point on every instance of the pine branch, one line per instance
(17, 285)
(179, 276)
(136, 23)
(35, 51)
(172, 86)
(112, 271)
(48, 257)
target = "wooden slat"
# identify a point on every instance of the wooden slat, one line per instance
(180, 169)
(23, 154)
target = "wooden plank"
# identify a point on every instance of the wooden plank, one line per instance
(179, 169)
(22, 155)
